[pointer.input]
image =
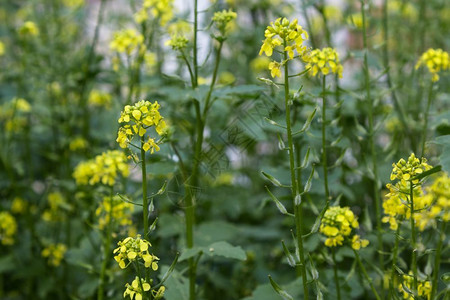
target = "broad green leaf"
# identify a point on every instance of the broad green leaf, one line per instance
(226, 250)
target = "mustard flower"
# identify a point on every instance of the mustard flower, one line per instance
(136, 119)
(275, 69)
(29, 29)
(56, 202)
(134, 249)
(287, 35)
(2, 49)
(162, 10)
(324, 61)
(260, 64)
(223, 20)
(437, 198)
(126, 41)
(78, 143)
(178, 42)
(18, 205)
(405, 170)
(8, 228)
(136, 289)
(104, 168)
(54, 253)
(338, 224)
(423, 287)
(99, 99)
(121, 212)
(436, 60)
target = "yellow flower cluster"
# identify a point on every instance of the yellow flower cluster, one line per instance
(324, 61)
(126, 41)
(223, 20)
(8, 228)
(56, 202)
(18, 206)
(438, 200)
(137, 288)
(405, 170)
(15, 114)
(121, 212)
(436, 60)
(286, 34)
(337, 225)
(103, 168)
(54, 253)
(29, 29)
(423, 287)
(137, 119)
(178, 42)
(131, 249)
(78, 143)
(158, 9)
(396, 204)
(99, 99)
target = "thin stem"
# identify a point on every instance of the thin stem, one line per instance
(437, 259)
(425, 124)
(195, 43)
(336, 278)
(376, 191)
(324, 146)
(394, 261)
(297, 206)
(366, 276)
(144, 188)
(413, 237)
(106, 248)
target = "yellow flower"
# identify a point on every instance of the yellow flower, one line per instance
(136, 289)
(223, 20)
(162, 10)
(275, 69)
(423, 287)
(57, 202)
(29, 29)
(324, 61)
(126, 41)
(18, 205)
(405, 170)
(177, 42)
(103, 168)
(337, 225)
(78, 143)
(54, 253)
(357, 21)
(260, 64)
(8, 228)
(286, 33)
(2, 48)
(121, 212)
(136, 120)
(131, 249)
(99, 99)
(436, 60)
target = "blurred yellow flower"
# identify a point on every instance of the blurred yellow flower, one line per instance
(126, 41)
(436, 60)
(29, 29)
(120, 210)
(54, 253)
(18, 205)
(99, 99)
(8, 228)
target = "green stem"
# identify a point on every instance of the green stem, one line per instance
(394, 261)
(144, 188)
(413, 237)
(437, 260)
(195, 43)
(336, 278)
(297, 206)
(376, 191)
(324, 146)
(425, 124)
(106, 248)
(366, 276)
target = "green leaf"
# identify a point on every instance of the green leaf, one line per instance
(279, 290)
(191, 252)
(225, 249)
